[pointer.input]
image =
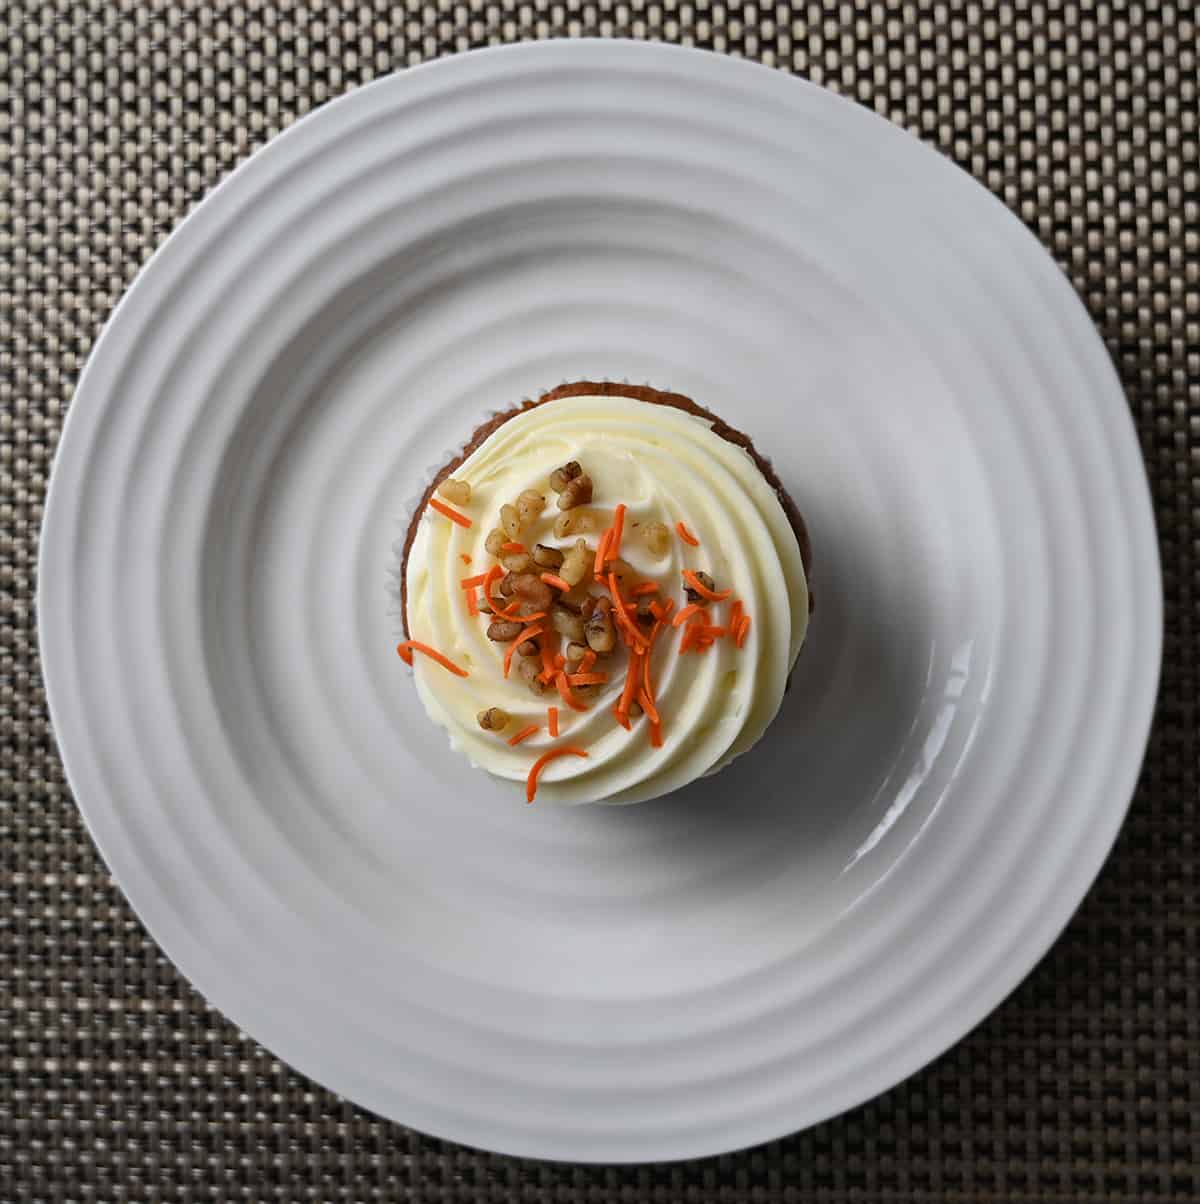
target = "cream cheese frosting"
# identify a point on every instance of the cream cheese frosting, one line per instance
(666, 465)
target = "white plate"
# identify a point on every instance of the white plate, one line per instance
(763, 949)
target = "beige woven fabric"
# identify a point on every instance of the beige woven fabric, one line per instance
(116, 1082)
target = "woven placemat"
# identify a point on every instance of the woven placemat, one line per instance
(117, 1082)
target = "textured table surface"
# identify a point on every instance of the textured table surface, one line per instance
(116, 1081)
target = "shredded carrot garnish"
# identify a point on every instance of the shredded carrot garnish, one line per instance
(622, 719)
(686, 613)
(556, 581)
(560, 681)
(536, 768)
(407, 648)
(524, 734)
(589, 659)
(621, 608)
(646, 587)
(735, 618)
(560, 661)
(512, 546)
(705, 632)
(453, 515)
(631, 680)
(501, 612)
(670, 606)
(465, 557)
(475, 582)
(656, 740)
(743, 630)
(528, 634)
(648, 707)
(618, 529)
(602, 552)
(552, 722)
(686, 535)
(646, 686)
(533, 618)
(472, 602)
(703, 590)
(586, 679)
(657, 609)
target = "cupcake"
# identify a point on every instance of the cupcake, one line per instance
(603, 596)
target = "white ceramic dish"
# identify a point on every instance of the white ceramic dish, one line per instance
(763, 949)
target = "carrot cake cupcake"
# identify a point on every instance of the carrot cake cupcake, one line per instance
(604, 594)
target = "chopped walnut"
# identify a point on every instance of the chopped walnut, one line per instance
(510, 521)
(533, 591)
(495, 540)
(546, 557)
(530, 504)
(493, 719)
(601, 635)
(568, 625)
(458, 493)
(504, 630)
(516, 562)
(528, 670)
(576, 492)
(577, 563)
(560, 476)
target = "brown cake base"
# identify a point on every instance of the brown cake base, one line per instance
(592, 388)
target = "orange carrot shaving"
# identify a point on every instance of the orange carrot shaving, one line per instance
(621, 608)
(705, 632)
(656, 740)
(693, 608)
(524, 734)
(743, 630)
(631, 681)
(589, 659)
(703, 590)
(528, 634)
(618, 528)
(560, 661)
(556, 582)
(686, 535)
(622, 719)
(407, 648)
(512, 546)
(646, 587)
(670, 606)
(646, 686)
(657, 610)
(472, 602)
(560, 680)
(552, 722)
(453, 515)
(475, 582)
(735, 618)
(586, 679)
(465, 557)
(602, 552)
(648, 707)
(533, 618)
(501, 612)
(531, 783)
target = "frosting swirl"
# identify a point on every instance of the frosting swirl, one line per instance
(666, 465)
